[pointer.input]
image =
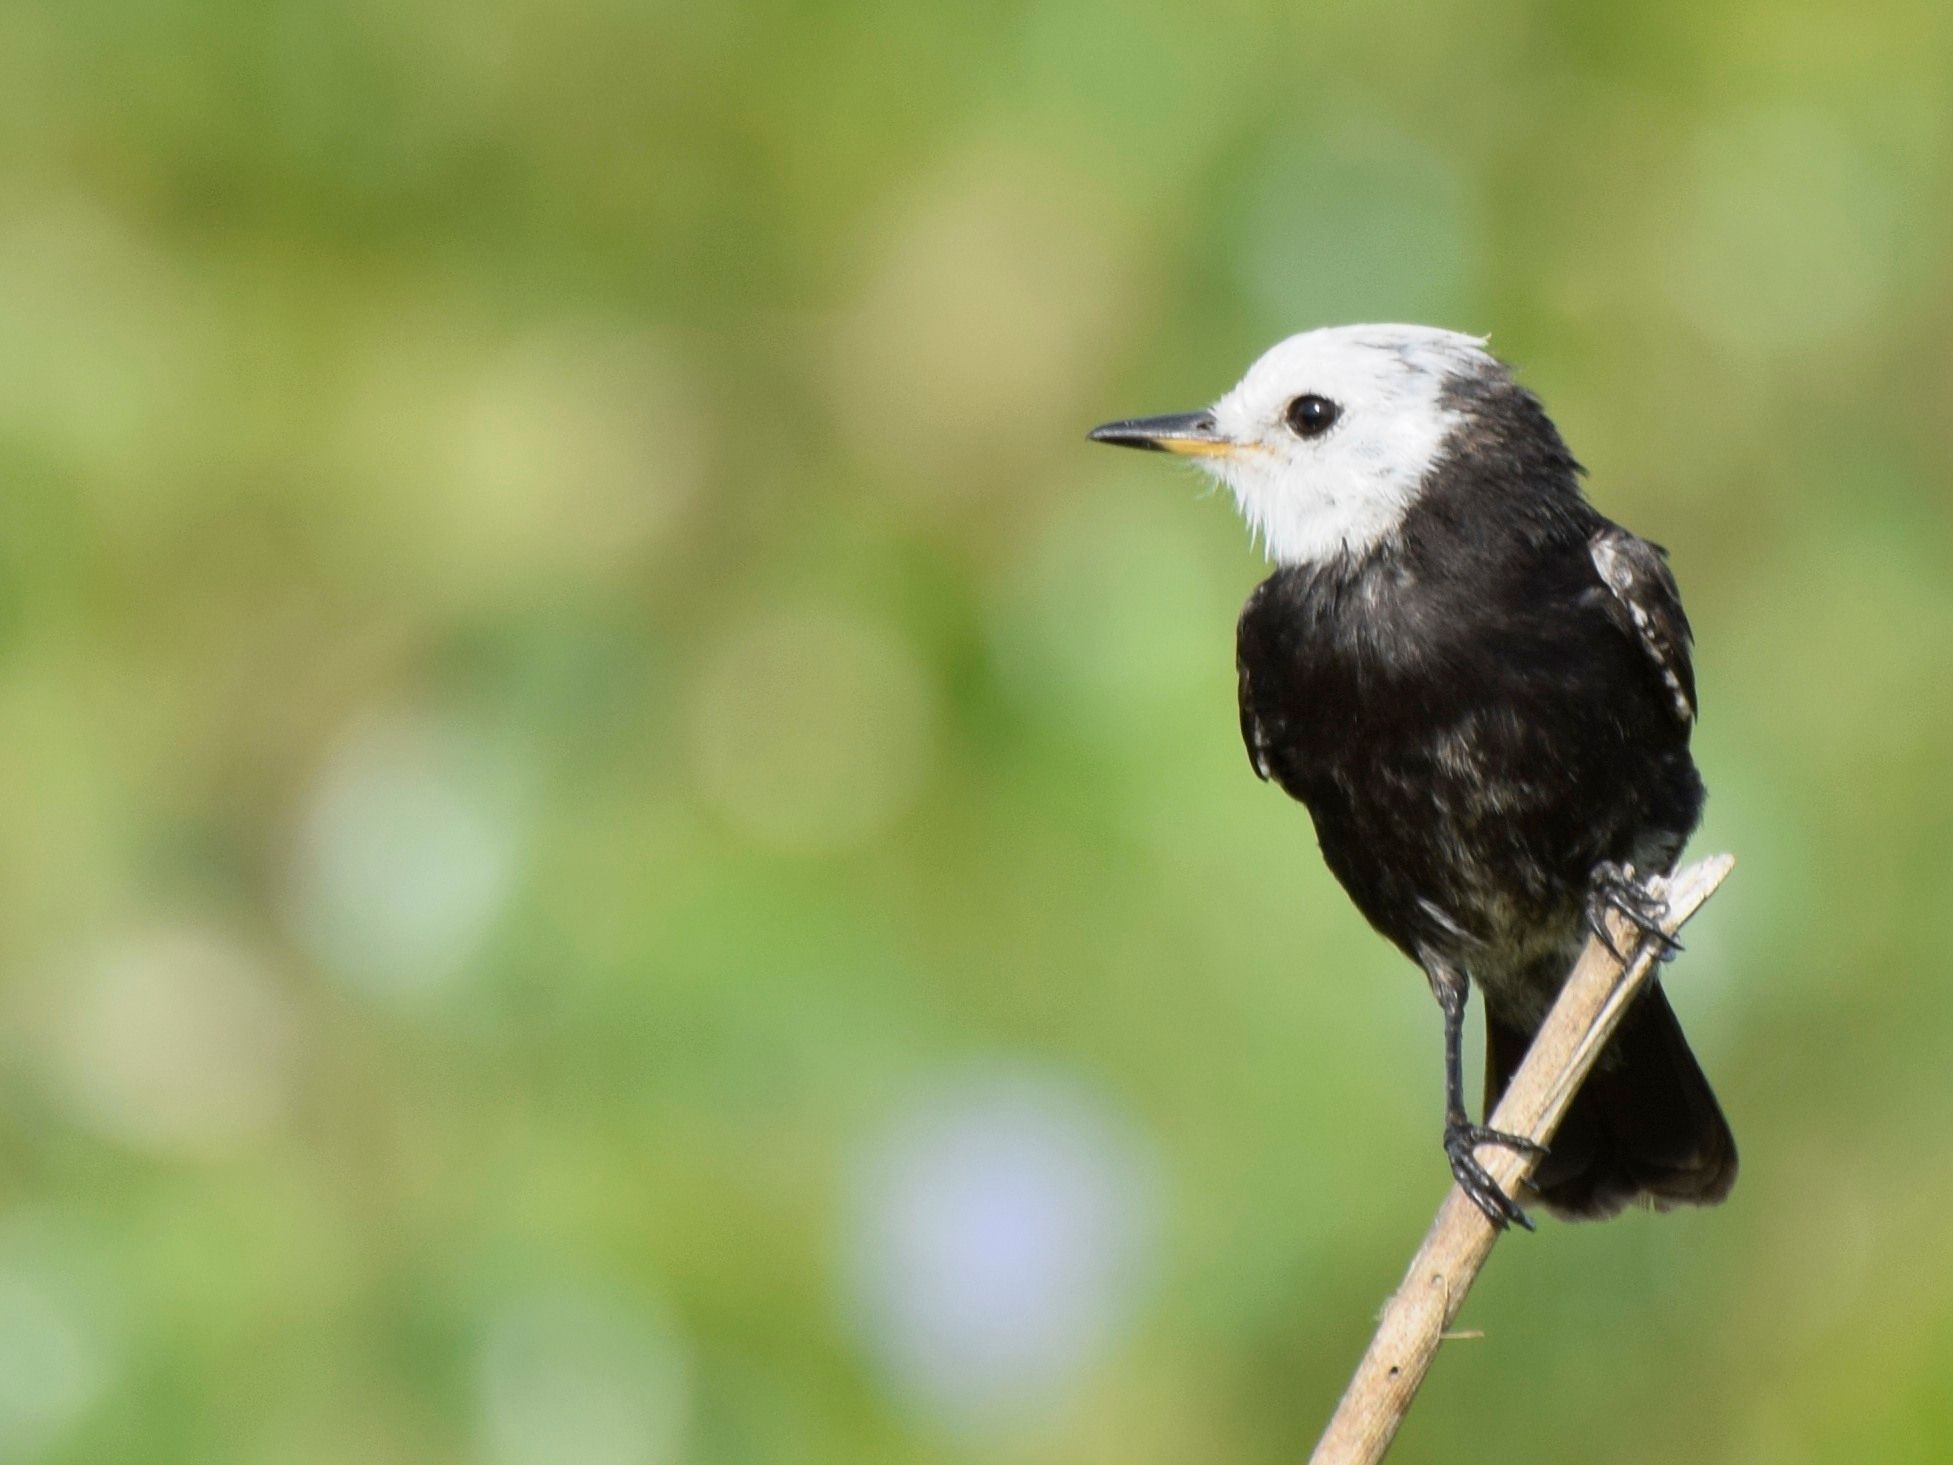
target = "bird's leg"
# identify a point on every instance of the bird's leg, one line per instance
(1461, 1136)
(1618, 888)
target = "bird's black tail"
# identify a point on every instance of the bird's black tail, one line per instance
(1644, 1128)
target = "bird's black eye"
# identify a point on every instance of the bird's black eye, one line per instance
(1311, 416)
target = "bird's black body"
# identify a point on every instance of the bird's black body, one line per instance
(1479, 712)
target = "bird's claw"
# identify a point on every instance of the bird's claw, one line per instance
(1618, 888)
(1460, 1141)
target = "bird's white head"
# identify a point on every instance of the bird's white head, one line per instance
(1328, 438)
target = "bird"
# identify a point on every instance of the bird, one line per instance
(1482, 690)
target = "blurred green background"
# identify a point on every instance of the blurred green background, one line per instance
(620, 846)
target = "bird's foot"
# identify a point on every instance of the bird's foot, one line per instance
(1460, 1140)
(1618, 888)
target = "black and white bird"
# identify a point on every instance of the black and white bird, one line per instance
(1481, 688)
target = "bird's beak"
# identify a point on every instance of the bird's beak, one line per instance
(1191, 434)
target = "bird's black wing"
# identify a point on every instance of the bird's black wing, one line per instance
(1252, 735)
(1642, 600)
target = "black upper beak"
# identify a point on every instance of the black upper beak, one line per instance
(1193, 433)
